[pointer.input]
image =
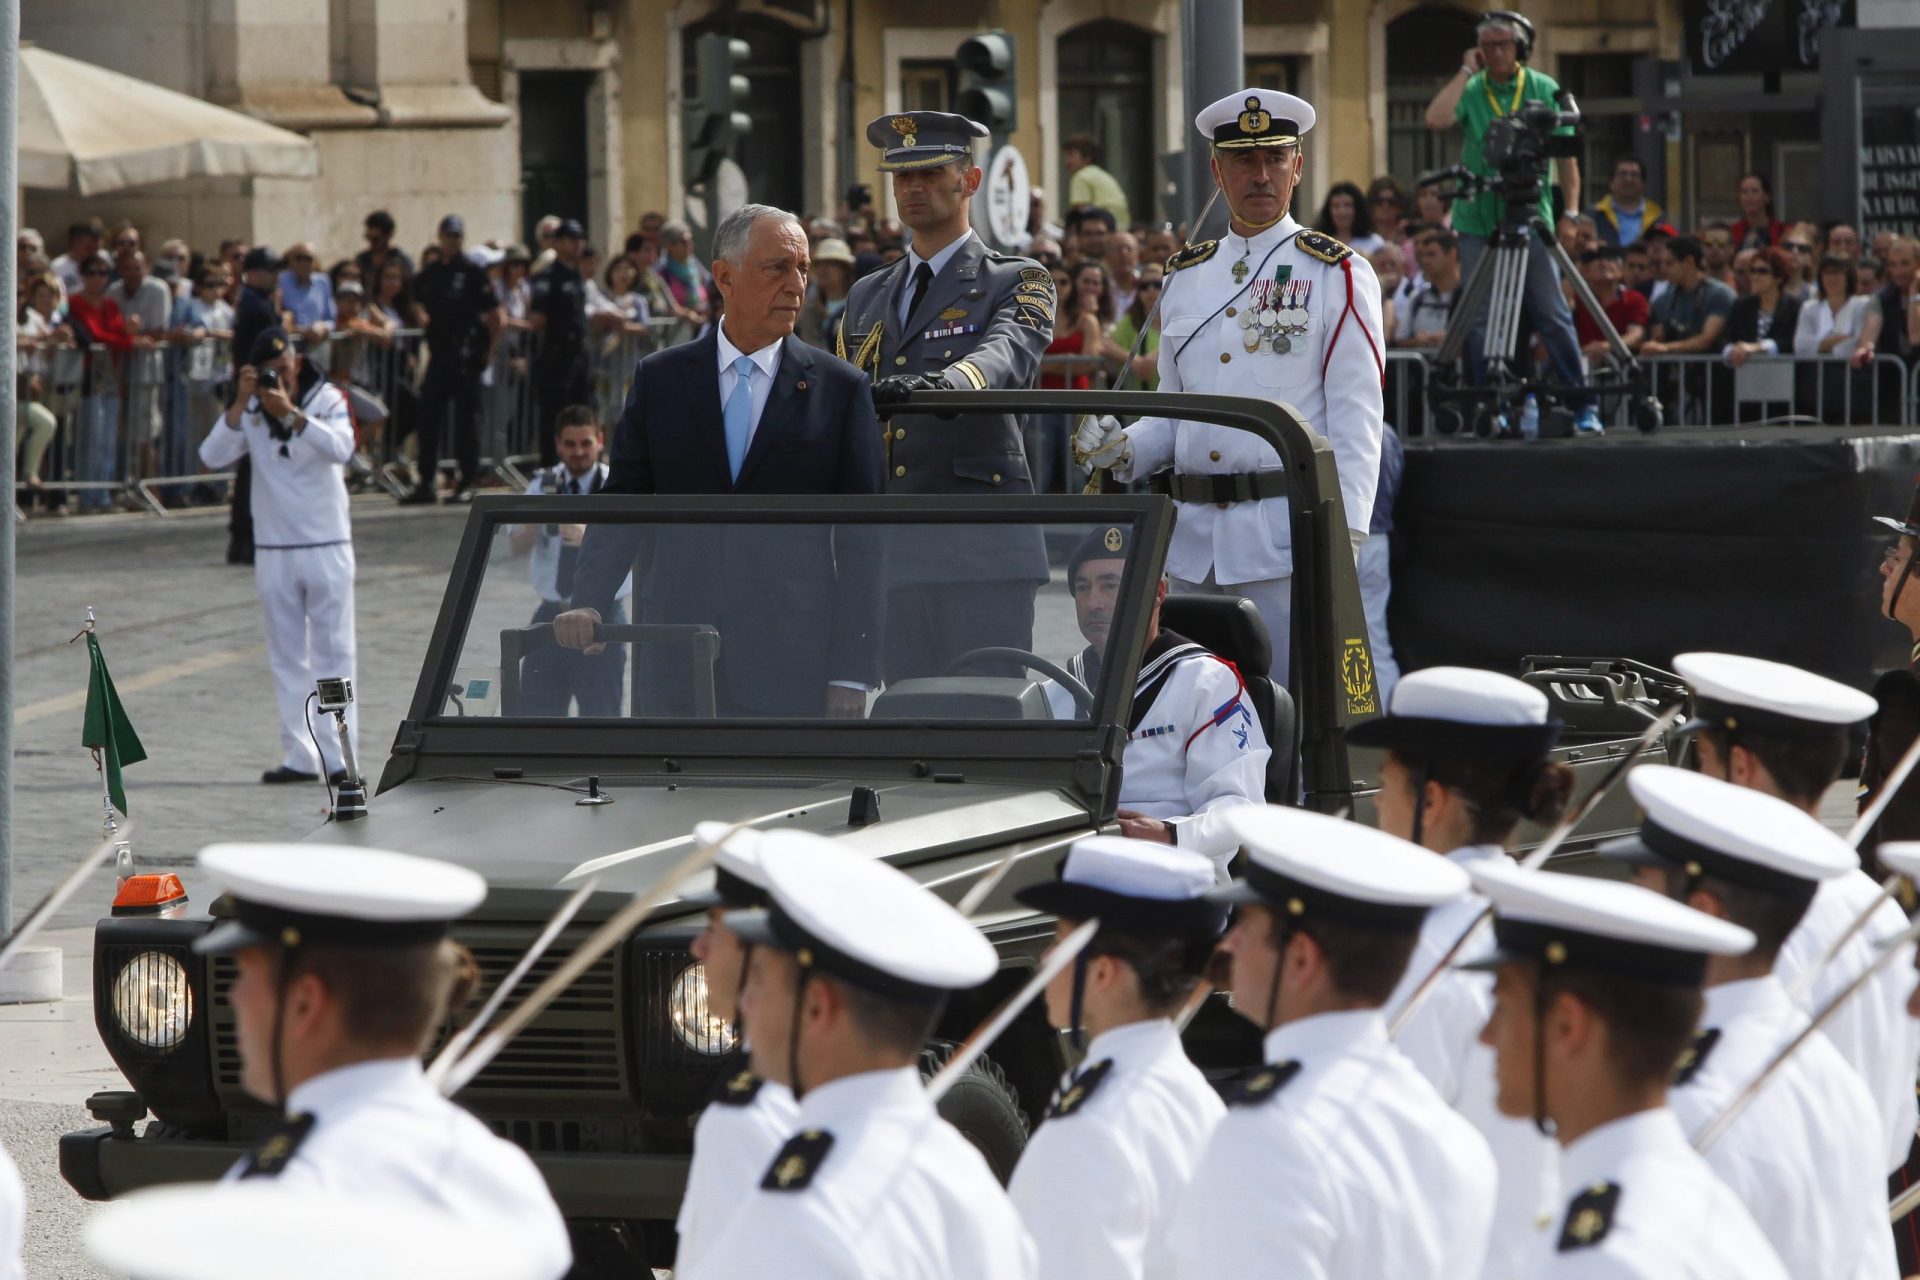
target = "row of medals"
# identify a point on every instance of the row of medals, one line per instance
(1269, 329)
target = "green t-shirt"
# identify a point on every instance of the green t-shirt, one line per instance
(1479, 104)
(1091, 184)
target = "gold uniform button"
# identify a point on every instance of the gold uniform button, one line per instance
(1214, 456)
(899, 433)
(899, 471)
(899, 359)
(996, 477)
(1226, 357)
(946, 355)
(1231, 313)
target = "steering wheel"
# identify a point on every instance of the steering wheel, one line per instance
(1082, 699)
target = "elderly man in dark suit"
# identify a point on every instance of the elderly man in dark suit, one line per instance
(748, 408)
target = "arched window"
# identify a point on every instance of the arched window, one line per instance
(1105, 88)
(771, 154)
(1424, 47)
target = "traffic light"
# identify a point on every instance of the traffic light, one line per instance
(988, 83)
(716, 117)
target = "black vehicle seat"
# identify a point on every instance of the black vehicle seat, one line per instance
(1231, 627)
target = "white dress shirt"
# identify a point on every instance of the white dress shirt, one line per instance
(1673, 1219)
(1805, 1155)
(1872, 1030)
(732, 1146)
(766, 363)
(543, 561)
(1202, 351)
(1443, 1041)
(938, 262)
(1818, 322)
(1097, 1185)
(1353, 1168)
(899, 1195)
(382, 1132)
(299, 498)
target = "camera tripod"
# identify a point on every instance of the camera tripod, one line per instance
(1499, 283)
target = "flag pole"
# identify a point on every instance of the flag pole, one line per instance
(109, 827)
(9, 356)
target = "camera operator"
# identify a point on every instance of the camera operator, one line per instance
(295, 426)
(1493, 83)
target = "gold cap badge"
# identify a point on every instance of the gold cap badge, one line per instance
(1113, 540)
(905, 127)
(1253, 119)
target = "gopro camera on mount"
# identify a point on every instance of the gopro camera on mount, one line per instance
(335, 693)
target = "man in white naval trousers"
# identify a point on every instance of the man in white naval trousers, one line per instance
(300, 437)
(1274, 311)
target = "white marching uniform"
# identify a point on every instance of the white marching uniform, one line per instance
(1327, 308)
(1804, 1157)
(13, 1219)
(380, 1131)
(1872, 1030)
(1194, 747)
(1443, 1040)
(874, 1185)
(1650, 1209)
(304, 563)
(1099, 1180)
(733, 1143)
(1337, 1161)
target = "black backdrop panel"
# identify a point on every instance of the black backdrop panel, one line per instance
(1751, 541)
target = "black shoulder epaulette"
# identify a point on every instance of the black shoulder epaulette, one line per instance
(796, 1163)
(738, 1089)
(1264, 1083)
(1695, 1055)
(270, 1158)
(1081, 1089)
(1590, 1216)
(1193, 255)
(1320, 245)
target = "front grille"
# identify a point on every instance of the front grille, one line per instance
(570, 1057)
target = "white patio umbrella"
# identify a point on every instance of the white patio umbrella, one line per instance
(89, 130)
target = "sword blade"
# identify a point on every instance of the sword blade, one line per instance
(58, 895)
(987, 1032)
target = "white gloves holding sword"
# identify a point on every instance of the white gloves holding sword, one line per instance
(1100, 443)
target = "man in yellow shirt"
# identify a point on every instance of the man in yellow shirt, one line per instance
(1088, 183)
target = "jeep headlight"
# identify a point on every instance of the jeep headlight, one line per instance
(153, 1001)
(692, 1017)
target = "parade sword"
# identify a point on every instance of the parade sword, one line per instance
(58, 895)
(1858, 832)
(1534, 861)
(1063, 954)
(1905, 1203)
(1720, 1123)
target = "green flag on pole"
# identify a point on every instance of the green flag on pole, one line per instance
(107, 729)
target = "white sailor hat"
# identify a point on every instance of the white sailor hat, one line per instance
(737, 876)
(1733, 692)
(1132, 886)
(862, 921)
(1462, 711)
(1703, 826)
(1601, 926)
(1902, 856)
(1255, 118)
(244, 1230)
(292, 895)
(1309, 865)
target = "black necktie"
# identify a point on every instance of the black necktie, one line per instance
(569, 560)
(922, 277)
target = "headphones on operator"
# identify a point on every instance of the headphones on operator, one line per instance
(1522, 30)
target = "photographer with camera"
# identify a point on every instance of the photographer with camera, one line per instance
(295, 426)
(1493, 85)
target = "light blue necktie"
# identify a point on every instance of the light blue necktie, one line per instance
(738, 415)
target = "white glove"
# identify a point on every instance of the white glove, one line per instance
(1100, 442)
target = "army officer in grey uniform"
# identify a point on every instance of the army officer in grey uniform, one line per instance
(950, 315)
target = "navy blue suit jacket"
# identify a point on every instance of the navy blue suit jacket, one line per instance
(797, 606)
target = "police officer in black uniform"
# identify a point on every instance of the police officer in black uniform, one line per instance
(463, 318)
(256, 312)
(557, 311)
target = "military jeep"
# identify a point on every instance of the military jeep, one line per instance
(952, 778)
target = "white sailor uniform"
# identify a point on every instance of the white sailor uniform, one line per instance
(1318, 303)
(733, 1143)
(13, 1219)
(1805, 1156)
(1194, 747)
(1097, 1183)
(305, 567)
(1337, 1160)
(1442, 1039)
(1649, 1208)
(379, 1130)
(875, 1185)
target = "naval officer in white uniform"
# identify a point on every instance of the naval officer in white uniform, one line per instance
(1274, 311)
(345, 972)
(300, 437)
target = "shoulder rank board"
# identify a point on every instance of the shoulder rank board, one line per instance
(1264, 1083)
(1320, 245)
(1590, 1216)
(276, 1150)
(1193, 255)
(796, 1163)
(1081, 1089)
(1695, 1055)
(739, 1089)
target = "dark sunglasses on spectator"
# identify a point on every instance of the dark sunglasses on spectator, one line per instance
(300, 257)
(1799, 247)
(1148, 284)
(1759, 270)
(1385, 199)
(126, 242)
